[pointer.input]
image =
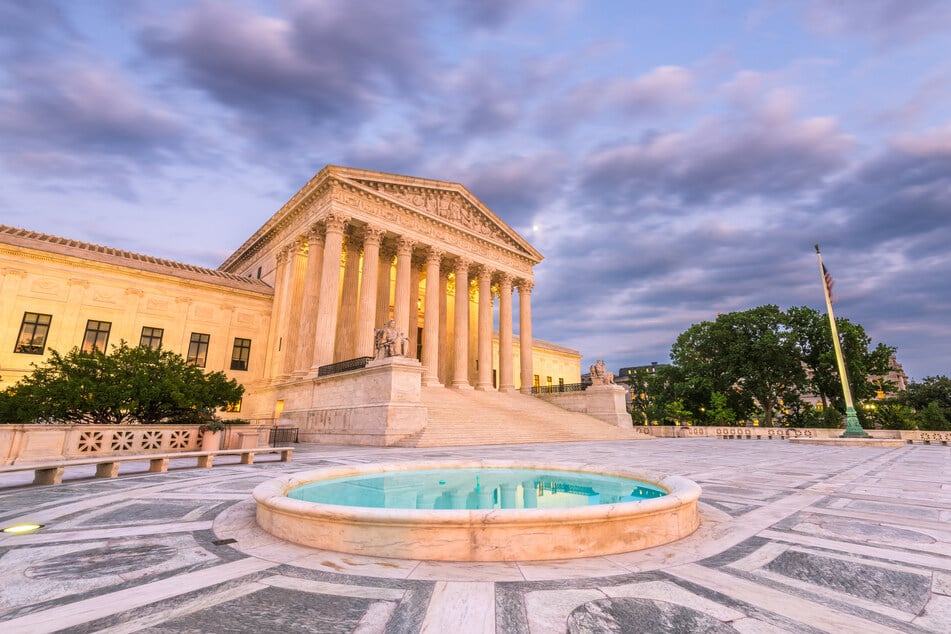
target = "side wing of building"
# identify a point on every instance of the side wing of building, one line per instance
(57, 294)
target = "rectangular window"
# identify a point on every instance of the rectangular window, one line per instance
(33, 331)
(97, 335)
(240, 354)
(536, 382)
(233, 407)
(151, 337)
(198, 349)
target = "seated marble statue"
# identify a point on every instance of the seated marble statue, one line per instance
(389, 341)
(600, 374)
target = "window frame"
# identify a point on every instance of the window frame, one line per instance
(151, 337)
(198, 346)
(97, 333)
(241, 354)
(31, 347)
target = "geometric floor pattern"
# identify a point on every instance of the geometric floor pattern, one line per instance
(793, 538)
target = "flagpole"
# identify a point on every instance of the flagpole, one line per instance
(853, 429)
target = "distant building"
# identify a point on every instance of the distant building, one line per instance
(892, 383)
(889, 385)
(625, 374)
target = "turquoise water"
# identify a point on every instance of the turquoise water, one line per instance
(476, 489)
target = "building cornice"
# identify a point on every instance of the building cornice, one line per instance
(104, 261)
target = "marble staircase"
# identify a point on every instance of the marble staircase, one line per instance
(470, 417)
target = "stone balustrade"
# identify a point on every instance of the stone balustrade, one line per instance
(40, 443)
(782, 433)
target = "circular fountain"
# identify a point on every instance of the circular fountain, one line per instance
(478, 510)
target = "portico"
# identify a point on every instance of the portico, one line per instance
(354, 249)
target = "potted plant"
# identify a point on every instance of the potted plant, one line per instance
(210, 434)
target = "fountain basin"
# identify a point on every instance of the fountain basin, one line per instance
(480, 534)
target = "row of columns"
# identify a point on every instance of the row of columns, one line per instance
(310, 329)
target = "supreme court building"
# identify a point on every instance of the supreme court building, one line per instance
(293, 310)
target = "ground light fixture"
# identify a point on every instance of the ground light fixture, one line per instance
(21, 529)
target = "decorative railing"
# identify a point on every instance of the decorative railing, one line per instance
(561, 387)
(344, 366)
(283, 436)
(38, 443)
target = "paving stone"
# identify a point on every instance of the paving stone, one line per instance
(641, 615)
(788, 533)
(903, 590)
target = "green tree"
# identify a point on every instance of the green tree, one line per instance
(129, 384)
(750, 357)
(814, 338)
(640, 397)
(719, 412)
(893, 415)
(931, 389)
(931, 418)
(676, 414)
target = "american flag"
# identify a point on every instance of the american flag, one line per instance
(829, 281)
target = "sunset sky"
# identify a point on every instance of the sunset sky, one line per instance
(671, 160)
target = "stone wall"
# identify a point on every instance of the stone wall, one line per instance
(378, 405)
(782, 433)
(604, 402)
(24, 444)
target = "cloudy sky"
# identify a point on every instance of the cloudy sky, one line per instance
(670, 159)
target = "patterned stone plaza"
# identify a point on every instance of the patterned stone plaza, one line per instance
(793, 539)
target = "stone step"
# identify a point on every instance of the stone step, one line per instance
(469, 417)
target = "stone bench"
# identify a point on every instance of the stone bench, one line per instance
(108, 466)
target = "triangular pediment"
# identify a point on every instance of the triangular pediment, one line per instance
(448, 203)
(440, 203)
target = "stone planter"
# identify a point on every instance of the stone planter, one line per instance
(210, 440)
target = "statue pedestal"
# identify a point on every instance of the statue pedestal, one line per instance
(378, 405)
(606, 402)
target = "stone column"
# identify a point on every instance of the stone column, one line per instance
(525, 333)
(346, 340)
(460, 335)
(506, 350)
(366, 311)
(412, 334)
(445, 328)
(484, 356)
(308, 316)
(295, 296)
(329, 291)
(275, 336)
(431, 319)
(387, 253)
(404, 257)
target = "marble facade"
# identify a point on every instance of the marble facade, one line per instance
(350, 251)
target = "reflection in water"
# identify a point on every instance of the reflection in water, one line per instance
(476, 489)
